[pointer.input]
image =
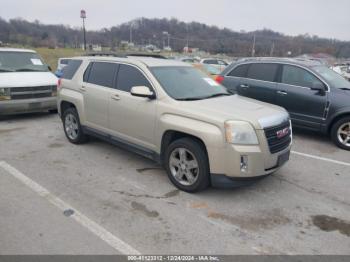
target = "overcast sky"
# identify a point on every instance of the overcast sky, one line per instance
(327, 18)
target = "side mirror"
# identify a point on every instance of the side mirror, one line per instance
(318, 86)
(49, 67)
(142, 91)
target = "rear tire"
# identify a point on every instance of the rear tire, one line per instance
(186, 163)
(72, 127)
(340, 133)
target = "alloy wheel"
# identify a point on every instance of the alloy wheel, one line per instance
(71, 126)
(344, 134)
(184, 166)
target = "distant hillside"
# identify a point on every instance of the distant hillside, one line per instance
(145, 31)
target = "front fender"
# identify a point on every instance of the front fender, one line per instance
(211, 135)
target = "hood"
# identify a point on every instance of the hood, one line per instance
(22, 79)
(235, 107)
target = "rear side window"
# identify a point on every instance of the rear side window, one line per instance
(239, 71)
(297, 76)
(102, 73)
(264, 72)
(70, 70)
(129, 76)
(221, 62)
(210, 62)
(64, 61)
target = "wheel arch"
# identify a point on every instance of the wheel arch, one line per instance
(336, 119)
(170, 136)
(64, 105)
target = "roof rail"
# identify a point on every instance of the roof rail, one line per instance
(285, 59)
(146, 55)
(125, 55)
(112, 54)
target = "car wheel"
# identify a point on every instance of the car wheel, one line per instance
(341, 133)
(72, 127)
(186, 163)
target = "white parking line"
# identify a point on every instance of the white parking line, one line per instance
(322, 158)
(92, 226)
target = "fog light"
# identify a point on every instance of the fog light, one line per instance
(244, 163)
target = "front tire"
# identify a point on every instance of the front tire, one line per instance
(72, 127)
(340, 133)
(186, 163)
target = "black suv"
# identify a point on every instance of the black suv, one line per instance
(316, 97)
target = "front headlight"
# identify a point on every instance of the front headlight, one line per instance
(4, 94)
(240, 133)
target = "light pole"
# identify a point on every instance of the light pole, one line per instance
(168, 35)
(83, 16)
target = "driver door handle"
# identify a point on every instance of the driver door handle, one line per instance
(282, 93)
(243, 86)
(116, 97)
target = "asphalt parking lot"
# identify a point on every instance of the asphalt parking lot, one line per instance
(58, 198)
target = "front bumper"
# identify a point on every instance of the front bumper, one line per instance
(260, 161)
(10, 107)
(223, 181)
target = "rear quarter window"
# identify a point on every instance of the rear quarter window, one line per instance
(70, 70)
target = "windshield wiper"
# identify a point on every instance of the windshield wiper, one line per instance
(28, 70)
(345, 88)
(217, 95)
(189, 98)
(6, 70)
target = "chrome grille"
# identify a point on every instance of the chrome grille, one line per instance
(277, 144)
(29, 92)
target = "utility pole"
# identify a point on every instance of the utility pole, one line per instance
(272, 49)
(83, 16)
(130, 32)
(187, 40)
(253, 48)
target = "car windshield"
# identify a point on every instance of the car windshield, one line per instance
(21, 62)
(332, 77)
(188, 83)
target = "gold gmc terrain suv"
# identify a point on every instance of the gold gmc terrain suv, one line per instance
(172, 113)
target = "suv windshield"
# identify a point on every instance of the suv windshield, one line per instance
(332, 77)
(188, 83)
(21, 62)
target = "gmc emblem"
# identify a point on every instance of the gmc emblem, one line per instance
(282, 133)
